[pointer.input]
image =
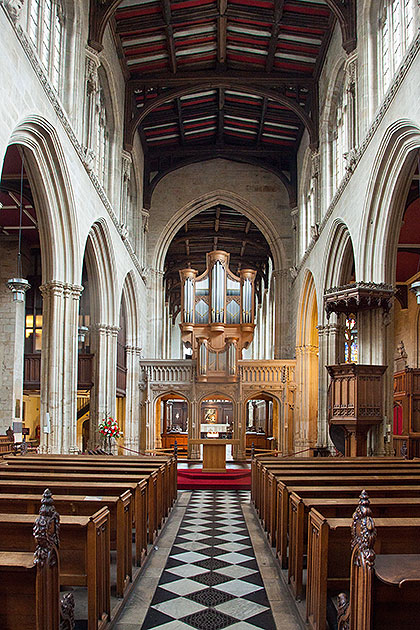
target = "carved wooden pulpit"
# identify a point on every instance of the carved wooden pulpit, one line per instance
(356, 394)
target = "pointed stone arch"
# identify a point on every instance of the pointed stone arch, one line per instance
(384, 205)
(53, 196)
(307, 366)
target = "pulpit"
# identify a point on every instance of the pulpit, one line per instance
(214, 453)
(355, 402)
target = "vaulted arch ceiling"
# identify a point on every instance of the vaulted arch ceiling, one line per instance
(218, 227)
(221, 78)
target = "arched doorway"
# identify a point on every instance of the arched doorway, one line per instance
(261, 422)
(22, 343)
(172, 422)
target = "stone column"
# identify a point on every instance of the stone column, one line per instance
(60, 310)
(132, 406)
(103, 393)
(281, 280)
(376, 347)
(12, 338)
(156, 320)
(330, 337)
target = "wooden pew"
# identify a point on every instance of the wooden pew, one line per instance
(155, 509)
(327, 481)
(384, 589)
(120, 509)
(329, 556)
(268, 512)
(168, 462)
(30, 582)
(299, 508)
(260, 465)
(164, 492)
(84, 555)
(154, 490)
(97, 489)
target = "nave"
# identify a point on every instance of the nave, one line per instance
(211, 569)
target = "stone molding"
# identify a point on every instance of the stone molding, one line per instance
(78, 147)
(358, 152)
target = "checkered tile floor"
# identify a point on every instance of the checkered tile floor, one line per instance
(211, 579)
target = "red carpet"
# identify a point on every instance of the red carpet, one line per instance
(196, 479)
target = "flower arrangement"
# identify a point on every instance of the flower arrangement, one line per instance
(108, 427)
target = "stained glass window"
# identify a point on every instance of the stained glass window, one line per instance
(350, 340)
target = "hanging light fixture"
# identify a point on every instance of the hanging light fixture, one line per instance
(19, 285)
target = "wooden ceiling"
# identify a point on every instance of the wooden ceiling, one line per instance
(222, 228)
(235, 79)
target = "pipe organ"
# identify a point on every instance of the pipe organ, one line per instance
(217, 316)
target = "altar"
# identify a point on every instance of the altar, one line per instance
(214, 453)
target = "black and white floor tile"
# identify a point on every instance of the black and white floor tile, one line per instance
(211, 579)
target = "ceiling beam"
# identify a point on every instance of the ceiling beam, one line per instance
(262, 120)
(221, 32)
(234, 77)
(275, 30)
(180, 121)
(197, 149)
(170, 42)
(221, 117)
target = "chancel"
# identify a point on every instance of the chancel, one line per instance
(210, 314)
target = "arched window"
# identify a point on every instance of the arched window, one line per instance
(340, 139)
(102, 141)
(350, 340)
(397, 27)
(45, 27)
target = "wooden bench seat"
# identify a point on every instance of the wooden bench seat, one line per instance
(84, 555)
(329, 556)
(120, 509)
(30, 582)
(162, 500)
(269, 492)
(154, 499)
(328, 484)
(385, 588)
(299, 508)
(97, 489)
(168, 462)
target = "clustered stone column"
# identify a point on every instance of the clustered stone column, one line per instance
(132, 412)
(330, 341)
(59, 367)
(102, 397)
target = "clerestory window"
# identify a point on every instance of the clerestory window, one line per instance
(45, 27)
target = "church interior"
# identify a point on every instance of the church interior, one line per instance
(210, 314)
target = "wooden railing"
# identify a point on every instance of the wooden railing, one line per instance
(170, 371)
(273, 371)
(32, 371)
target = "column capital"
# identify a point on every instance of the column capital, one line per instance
(55, 287)
(135, 350)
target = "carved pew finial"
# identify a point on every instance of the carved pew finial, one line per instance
(47, 531)
(363, 536)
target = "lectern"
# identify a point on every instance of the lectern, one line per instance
(214, 453)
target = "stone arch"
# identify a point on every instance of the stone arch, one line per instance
(338, 254)
(289, 103)
(235, 201)
(307, 365)
(384, 205)
(101, 266)
(53, 196)
(130, 293)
